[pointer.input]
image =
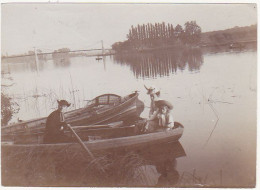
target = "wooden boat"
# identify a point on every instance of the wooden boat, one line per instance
(34, 164)
(113, 139)
(29, 137)
(103, 109)
(236, 46)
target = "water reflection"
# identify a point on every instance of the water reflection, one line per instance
(29, 63)
(161, 63)
(61, 59)
(161, 163)
(193, 58)
(245, 47)
(26, 63)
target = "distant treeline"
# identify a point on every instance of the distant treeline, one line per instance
(232, 35)
(159, 34)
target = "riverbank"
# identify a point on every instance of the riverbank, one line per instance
(237, 37)
(226, 45)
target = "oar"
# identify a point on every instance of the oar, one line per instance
(84, 146)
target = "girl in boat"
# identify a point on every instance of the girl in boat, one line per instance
(164, 114)
(55, 125)
(152, 122)
(161, 118)
(154, 96)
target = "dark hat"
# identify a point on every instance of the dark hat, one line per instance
(63, 103)
(161, 103)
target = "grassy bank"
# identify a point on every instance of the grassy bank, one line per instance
(230, 36)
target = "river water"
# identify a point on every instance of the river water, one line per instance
(213, 93)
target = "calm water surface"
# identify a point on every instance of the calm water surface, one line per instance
(214, 97)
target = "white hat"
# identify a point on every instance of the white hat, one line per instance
(152, 89)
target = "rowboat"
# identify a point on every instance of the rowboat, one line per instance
(37, 164)
(85, 132)
(103, 109)
(122, 137)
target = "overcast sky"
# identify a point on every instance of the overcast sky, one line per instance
(83, 26)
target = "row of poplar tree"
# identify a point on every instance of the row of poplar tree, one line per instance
(160, 34)
(189, 35)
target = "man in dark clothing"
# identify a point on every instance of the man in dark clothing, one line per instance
(55, 125)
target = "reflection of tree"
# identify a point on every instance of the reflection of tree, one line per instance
(192, 57)
(160, 63)
(61, 59)
(169, 175)
(20, 64)
(164, 156)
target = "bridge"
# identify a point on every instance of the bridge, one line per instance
(105, 51)
(71, 51)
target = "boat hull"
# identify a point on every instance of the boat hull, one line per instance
(128, 142)
(82, 116)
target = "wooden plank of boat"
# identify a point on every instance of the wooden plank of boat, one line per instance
(110, 125)
(37, 137)
(116, 117)
(73, 113)
(33, 122)
(107, 144)
(92, 114)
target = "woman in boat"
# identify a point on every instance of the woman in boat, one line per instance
(164, 114)
(55, 125)
(154, 96)
(152, 121)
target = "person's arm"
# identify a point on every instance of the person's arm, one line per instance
(154, 115)
(170, 123)
(64, 125)
(151, 109)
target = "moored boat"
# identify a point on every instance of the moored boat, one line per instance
(103, 109)
(55, 164)
(128, 139)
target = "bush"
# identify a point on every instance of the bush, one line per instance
(7, 109)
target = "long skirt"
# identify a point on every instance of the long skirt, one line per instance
(57, 138)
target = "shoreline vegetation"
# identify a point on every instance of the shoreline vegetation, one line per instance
(160, 36)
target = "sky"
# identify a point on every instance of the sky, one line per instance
(83, 26)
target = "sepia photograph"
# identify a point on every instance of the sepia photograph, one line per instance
(148, 94)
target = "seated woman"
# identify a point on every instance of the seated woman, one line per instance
(161, 118)
(55, 125)
(152, 122)
(164, 114)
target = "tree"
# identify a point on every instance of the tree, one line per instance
(192, 34)
(158, 34)
(178, 31)
(7, 109)
(31, 52)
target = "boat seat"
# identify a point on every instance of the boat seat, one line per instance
(103, 109)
